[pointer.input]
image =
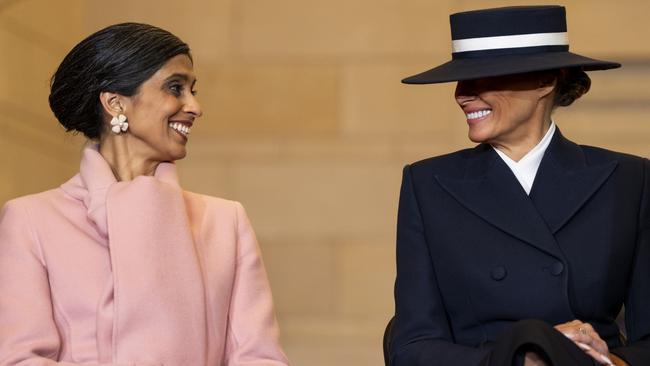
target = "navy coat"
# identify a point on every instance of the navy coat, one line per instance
(475, 253)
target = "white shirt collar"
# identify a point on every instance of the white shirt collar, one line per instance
(526, 168)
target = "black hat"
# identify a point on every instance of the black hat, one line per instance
(504, 41)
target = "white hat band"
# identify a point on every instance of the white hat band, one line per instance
(514, 41)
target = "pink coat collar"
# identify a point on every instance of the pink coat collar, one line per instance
(95, 178)
(157, 279)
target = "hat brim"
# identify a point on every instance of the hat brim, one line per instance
(476, 68)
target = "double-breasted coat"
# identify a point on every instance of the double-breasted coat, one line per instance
(475, 253)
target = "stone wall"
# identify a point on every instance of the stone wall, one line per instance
(305, 122)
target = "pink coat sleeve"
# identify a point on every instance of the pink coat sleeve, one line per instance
(253, 336)
(28, 334)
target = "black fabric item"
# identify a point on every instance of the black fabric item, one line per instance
(508, 21)
(488, 60)
(535, 336)
(481, 67)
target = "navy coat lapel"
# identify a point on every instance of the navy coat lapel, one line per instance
(491, 191)
(565, 181)
(563, 184)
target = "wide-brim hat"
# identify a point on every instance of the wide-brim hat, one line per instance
(505, 41)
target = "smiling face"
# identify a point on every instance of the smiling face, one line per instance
(162, 112)
(506, 110)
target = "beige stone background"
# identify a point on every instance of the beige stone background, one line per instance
(307, 125)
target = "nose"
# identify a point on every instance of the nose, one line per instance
(465, 92)
(192, 106)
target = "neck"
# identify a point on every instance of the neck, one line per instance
(518, 148)
(125, 160)
(517, 145)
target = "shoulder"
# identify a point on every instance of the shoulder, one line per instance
(218, 217)
(18, 218)
(215, 208)
(626, 163)
(35, 201)
(211, 202)
(452, 164)
(600, 155)
(589, 155)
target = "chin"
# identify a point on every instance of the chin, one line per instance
(483, 132)
(177, 154)
(477, 137)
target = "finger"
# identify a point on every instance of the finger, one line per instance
(588, 327)
(590, 344)
(599, 345)
(582, 334)
(586, 333)
(577, 336)
(571, 324)
(599, 357)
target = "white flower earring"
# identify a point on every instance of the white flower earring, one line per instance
(119, 124)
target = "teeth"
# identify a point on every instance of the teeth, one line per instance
(182, 128)
(478, 114)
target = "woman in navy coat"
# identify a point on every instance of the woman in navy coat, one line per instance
(523, 249)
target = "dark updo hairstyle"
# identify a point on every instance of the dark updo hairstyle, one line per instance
(572, 83)
(116, 59)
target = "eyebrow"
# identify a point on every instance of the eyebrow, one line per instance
(180, 76)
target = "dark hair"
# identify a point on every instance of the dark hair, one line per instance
(117, 59)
(572, 83)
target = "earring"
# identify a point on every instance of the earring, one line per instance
(119, 124)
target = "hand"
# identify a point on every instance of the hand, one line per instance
(585, 337)
(533, 359)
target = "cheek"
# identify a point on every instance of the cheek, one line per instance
(165, 107)
(170, 105)
(514, 110)
(160, 105)
(526, 109)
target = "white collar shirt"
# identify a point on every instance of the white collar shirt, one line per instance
(526, 168)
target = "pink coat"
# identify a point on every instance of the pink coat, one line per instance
(132, 273)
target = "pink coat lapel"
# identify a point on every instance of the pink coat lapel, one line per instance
(157, 280)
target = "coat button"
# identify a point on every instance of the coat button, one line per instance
(557, 268)
(498, 273)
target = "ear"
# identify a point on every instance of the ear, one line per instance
(112, 103)
(547, 83)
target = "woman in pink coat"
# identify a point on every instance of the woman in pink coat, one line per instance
(120, 265)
